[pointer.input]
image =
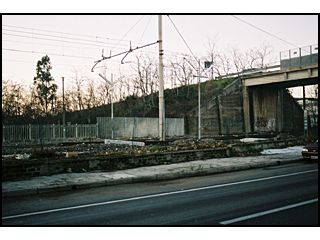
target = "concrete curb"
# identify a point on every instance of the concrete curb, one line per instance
(180, 173)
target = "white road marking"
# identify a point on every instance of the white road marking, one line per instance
(259, 214)
(155, 195)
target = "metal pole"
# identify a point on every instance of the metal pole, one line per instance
(199, 105)
(299, 57)
(161, 95)
(289, 58)
(310, 54)
(64, 112)
(304, 97)
(112, 89)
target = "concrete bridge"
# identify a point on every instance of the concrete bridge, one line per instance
(257, 101)
(266, 104)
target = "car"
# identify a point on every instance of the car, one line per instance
(310, 151)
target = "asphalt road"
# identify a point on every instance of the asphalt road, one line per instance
(280, 195)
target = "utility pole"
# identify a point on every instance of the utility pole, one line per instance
(199, 104)
(198, 70)
(112, 89)
(161, 87)
(64, 111)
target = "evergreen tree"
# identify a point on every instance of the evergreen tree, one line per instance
(46, 89)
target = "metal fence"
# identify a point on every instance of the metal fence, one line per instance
(34, 133)
(120, 128)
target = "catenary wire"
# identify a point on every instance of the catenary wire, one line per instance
(145, 29)
(185, 42)
(262, 30)
(52, 45)
(55, 40)
(37, 52)
(63, 37)
(71, 34)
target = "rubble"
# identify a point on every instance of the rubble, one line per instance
(111, 148)
(72, 154)
(22, 156)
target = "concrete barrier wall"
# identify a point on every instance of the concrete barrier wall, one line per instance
(222, 114)
(130, 128)
(231, 114)
(299, 61)
(27, 168)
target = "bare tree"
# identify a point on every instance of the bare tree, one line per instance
(225, 63)
(69, 104)
(253, 58)
(146, 75)
(31, 107)
(90, 98)
(240, 61)
(182, 71)
(262, 53)
(123, 87)
(104, 93)
(212, 56)
(12, 98)
(78, 95)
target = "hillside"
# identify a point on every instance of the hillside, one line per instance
(178, 103)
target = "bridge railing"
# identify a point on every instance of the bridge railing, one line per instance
(298, 57)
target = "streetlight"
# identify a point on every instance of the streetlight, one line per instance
(208, 65)
(64, 111)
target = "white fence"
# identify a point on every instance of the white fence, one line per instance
(32, 133)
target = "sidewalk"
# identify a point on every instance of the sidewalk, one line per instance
(70, 181)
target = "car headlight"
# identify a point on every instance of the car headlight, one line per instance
(304, 150)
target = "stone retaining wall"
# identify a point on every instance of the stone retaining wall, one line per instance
(28, 168)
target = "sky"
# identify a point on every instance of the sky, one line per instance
(74, 42)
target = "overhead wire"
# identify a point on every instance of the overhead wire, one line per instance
(54, 54)
(54, 45)
(71, 34)
(124, 52)
(131, 28)
(45, 44)
(173, 53)
(169, 52)
(87, 43)
(262, 30)
(185, 42)
(61, 37)
(56, 40)
(30, 62)
(142, 35)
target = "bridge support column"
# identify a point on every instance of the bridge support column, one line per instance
(219, 113)
(280, 117)
(246, 109)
